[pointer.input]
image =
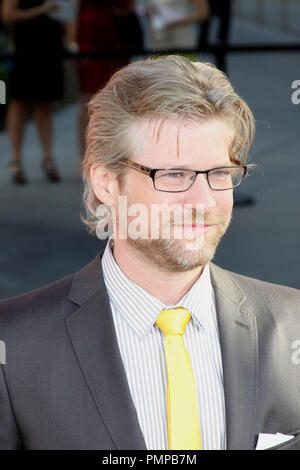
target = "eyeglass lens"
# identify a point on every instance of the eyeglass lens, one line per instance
(181, 180)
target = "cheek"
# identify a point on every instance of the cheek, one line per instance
(224, 202)
(139, 190)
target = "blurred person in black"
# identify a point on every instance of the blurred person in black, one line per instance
(222, 10)
(36, 77)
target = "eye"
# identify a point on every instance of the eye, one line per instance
(172, 175)
(175, 175)
(221, 173)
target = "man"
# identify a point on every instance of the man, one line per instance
(152, 346)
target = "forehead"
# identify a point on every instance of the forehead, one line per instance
(178, 143)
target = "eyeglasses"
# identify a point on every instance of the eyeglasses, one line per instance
(176, 180)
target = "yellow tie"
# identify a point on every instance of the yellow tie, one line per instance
(183, 415)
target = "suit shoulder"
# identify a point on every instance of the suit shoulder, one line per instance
(258, 293)
(52, 302)
(267, 289)
(273, 305)
(35, 303)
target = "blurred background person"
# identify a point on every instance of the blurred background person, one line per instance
(173, 23)
(36, 77)
(222, 10)
(102, 26)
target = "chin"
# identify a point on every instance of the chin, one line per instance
(173, 255)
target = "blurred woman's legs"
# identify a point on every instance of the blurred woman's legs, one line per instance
(16, 120)
(15, 123)
(43, 121)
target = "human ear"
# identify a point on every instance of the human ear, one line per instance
(104, 184)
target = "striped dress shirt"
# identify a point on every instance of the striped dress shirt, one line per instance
(141, 345)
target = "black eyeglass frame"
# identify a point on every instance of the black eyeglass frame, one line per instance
(152, 171)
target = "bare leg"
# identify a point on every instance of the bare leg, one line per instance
(43, 121)
(15, 122)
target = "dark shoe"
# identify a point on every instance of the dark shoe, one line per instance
(17, 174)
(50, 171)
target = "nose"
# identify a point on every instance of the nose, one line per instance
(201, 193)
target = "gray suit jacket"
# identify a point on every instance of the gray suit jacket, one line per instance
(64, 386)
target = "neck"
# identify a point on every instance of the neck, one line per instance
(168, 287)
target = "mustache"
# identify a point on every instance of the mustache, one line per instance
(194, 217)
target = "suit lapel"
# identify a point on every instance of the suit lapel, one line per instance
(238, 339)
(93, 337)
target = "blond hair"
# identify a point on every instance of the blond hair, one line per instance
(170, 87)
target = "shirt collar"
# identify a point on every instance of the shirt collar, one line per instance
(140, 309)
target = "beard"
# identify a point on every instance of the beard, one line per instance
(181, 255)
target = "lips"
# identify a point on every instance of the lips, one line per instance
(193, 228)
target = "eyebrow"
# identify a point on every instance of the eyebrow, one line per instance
(184, 167)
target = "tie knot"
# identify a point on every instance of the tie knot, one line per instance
(173, 321)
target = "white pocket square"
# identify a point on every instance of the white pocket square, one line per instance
(265, 441)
